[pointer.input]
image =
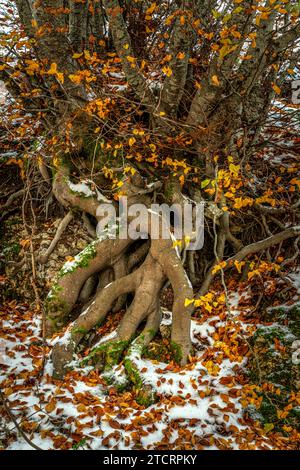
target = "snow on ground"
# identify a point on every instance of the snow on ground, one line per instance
(199, 407)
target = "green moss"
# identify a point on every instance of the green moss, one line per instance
(133, 373)
(57, 310)
(269, 410)
(151, 332)
(82, 260)
(269, 333)
(107, 352)
(177, 352)
(146, 397)
(114, 352)
(53, 302)
(168, 191)
(54, 292)
(56, 322)
(11, 251)
(79, 329)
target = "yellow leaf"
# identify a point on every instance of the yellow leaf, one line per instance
(219, 267)
(53, 69)
(234, 169)
(215, 80)
(75, 78)
(151, 9)
(60, 77)
(138, 132)
(167, 71)
(187, 240)
(87, 55)
(276, 88)
(131, 141)
(239, 265)
(268, 427)
(188, 302)
(176, 243)
(225, 50)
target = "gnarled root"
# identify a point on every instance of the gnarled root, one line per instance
(145, 393)
(64, 294)
(142, 273)
(146, 282)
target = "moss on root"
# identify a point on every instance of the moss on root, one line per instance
(56, 308)
(107, 355)
(79, 329)
(145, 395)
(114, 352)
(177, 352)
(82, 260)
(133, 373)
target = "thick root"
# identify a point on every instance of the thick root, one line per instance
(65, 292)
(120, 270)
(62, 356)
(147, 282)
(169, 259)
(92, 316)
(145, 395)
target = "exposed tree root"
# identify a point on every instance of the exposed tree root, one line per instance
(146, 282)
(64, 294)
(60, 230)
(119, 270)
(145, 393)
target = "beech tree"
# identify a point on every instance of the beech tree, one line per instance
(156, 101)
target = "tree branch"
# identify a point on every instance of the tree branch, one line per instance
(173, 88)
(122, 42)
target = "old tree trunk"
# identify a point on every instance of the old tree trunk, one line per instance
(159, 102)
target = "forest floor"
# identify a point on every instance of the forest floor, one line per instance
(201, 406)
